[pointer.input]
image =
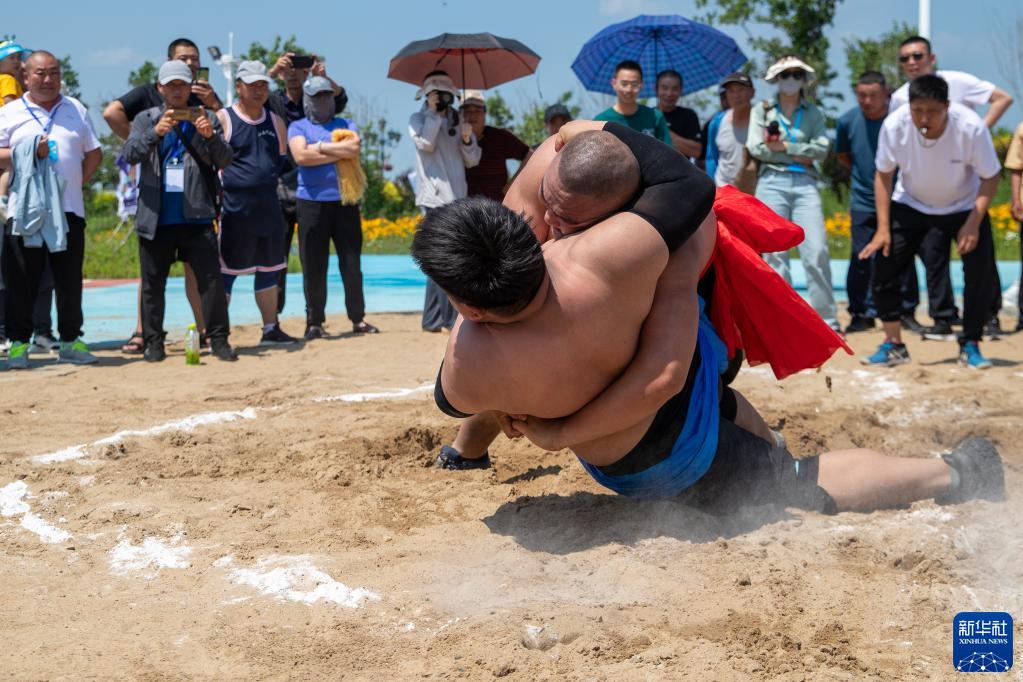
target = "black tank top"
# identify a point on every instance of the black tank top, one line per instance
(257, 154)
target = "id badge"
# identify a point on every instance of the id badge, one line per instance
(174, 177)
(54, 157)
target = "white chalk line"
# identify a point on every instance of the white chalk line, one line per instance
(187, 424)
(149, 556)
(193, 422)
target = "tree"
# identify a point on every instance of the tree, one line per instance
(383, 198)
(143, 75)
(69, 78)
(269, 55)
(531, 128)
(498, 111)
(878, 54)
(802, 23)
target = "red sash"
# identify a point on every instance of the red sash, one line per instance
(752, 307)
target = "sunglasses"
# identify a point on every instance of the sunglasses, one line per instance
(798, 75)
(915, 56)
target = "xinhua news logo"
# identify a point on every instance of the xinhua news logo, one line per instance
(982, 642)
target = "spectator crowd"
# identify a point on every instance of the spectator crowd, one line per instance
(225, 189)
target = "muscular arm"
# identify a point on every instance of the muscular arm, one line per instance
(666, 347)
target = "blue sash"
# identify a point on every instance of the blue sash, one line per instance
(697, 443)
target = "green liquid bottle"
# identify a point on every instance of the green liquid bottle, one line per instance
(191, 346)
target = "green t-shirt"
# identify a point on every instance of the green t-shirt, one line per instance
(646, 120)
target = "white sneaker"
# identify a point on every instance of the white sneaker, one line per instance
(77, 353)
(5, 345)
(45, 343)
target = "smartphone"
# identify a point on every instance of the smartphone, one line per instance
(190, 114)
(203, 74)
(302, 61)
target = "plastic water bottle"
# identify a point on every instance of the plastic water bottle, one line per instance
(191, 346)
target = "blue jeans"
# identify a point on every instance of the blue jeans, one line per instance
(794, 196)
(858, 279)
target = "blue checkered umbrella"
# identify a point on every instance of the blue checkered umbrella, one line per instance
(702, 54)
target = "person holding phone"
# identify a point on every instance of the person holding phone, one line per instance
(287, 102)
(788, 135)
(119, 115)
(178, 189)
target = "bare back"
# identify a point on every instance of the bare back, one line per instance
(585, 333)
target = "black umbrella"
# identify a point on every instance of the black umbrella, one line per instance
(473, 60)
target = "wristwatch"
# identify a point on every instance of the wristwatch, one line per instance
(319, 147)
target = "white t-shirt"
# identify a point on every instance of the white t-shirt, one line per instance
(939, 176)
(963, 88)
(71, 130)
(731, 143)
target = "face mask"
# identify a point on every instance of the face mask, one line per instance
(789, 86)
(319, 108)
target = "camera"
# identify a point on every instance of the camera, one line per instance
(302, 61)
(773, 131)
(444, 100)
(190, 114)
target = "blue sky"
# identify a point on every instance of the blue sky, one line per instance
(106, 39)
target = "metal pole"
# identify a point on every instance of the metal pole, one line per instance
(924, 19)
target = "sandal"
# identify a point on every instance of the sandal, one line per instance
(364, 327)
(452, 460)
(134, 346)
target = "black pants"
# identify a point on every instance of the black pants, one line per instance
(909, 229)
(23, 270)
(934, 252)
(42, 323)
(437, 309)
(857, 281)
(319, 224)
(288, 213)
(197, 246)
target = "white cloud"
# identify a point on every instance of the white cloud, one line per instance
(115, 56)
(612, 8)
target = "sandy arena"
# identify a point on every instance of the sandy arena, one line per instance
(278, 518)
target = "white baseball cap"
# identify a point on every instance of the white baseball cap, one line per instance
(786, 63)
(250, 72)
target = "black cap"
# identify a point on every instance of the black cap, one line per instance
(737, 77)
(555, 110)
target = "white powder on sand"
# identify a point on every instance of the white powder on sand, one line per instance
(295, 578)
(149, 556)
(186, 424)
(363, 397)
(12, 503)
(881, 387)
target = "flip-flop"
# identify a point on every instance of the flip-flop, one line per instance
(134, 346)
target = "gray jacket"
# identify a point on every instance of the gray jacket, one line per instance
(38, 215)
(143, 147)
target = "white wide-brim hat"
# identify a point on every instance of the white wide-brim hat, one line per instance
(786, 63)
(442, 83)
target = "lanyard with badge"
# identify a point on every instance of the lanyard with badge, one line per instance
(52, 144)
(174, 168)
(791, 134)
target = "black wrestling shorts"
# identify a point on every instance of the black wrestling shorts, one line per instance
(747, 470)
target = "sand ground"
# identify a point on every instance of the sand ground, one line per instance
(278, 518)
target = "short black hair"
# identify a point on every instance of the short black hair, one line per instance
(631, 65)
(669, 72)
(180, 42)
(872, 78)
(481, 253)
(595, 163)
(916, 39)
(928, 87)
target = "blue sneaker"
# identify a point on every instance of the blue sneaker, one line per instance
(888, 354)
(969, 356)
